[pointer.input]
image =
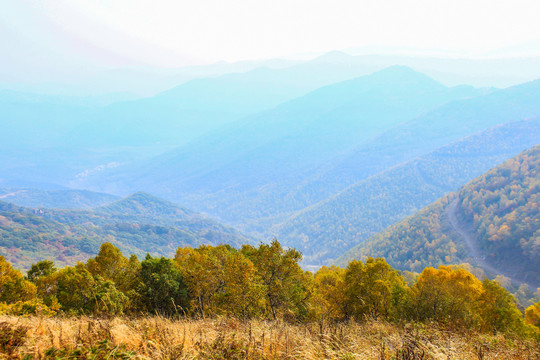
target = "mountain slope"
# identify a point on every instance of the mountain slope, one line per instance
(492, 222)
(327, 229)
(29, 235)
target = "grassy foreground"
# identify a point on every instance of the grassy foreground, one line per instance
(227, 338)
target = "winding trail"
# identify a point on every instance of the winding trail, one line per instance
(470, 241)
(11, 194)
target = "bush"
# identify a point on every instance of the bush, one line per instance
(28, 308)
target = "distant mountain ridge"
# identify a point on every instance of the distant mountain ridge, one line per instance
(264, 170)
(52, 139)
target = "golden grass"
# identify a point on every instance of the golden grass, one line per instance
(160, 338)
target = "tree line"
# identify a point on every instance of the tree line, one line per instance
(261, 282)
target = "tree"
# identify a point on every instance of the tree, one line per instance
(372, 289)
(111, 265)
(79, 292)
(109, 262)
(448, 295)
(329, 298)
(76, 289)
(242, 293)
(40, 269)
(498, 309)
(13, 286)
(162, 287)
(288, 287)
(45, 275)
(532, 316)
(221, 280)
(108, 300)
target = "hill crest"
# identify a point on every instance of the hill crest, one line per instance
(145, 204)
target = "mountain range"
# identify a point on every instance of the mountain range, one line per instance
(241, 174)
(262, 171)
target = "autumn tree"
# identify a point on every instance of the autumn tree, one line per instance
(79, 292)
(329, 300)
(45, 275)
(373, 289)
(39, 270)
(111, 265)
(287, 286)
(13, 286)
(221, 280)
(448, 295)
(498, 309)
(109, 262)
(532, 316)
(75, 287)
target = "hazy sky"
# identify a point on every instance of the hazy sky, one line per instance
(45, 34)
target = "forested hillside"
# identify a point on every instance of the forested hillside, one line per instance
(327, 229)
(139, 224)
(502, 208)
(492, 222)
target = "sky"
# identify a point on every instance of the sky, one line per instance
(69, 35)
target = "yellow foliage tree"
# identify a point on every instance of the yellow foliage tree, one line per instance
(373, 289)
(221, 281)
(13, 286)
(532, 316)
(447, 295)
(329, 297)
(498, 309)
(288, 288)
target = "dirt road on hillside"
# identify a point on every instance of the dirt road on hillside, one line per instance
(470, 240)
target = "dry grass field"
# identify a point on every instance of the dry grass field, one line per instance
(160, 338)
